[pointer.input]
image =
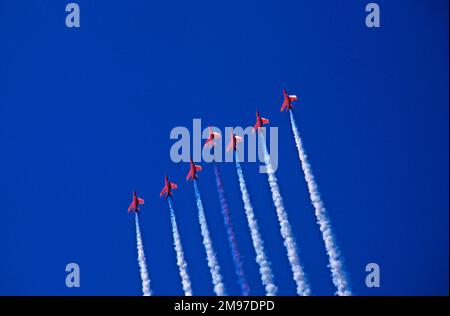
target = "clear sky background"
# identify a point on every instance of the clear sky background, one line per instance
(85, 117)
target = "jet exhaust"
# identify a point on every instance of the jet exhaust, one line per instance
(213, 264)
(336, 266)
(239, 269)
(141, 260)
(182, 265)
(285, 227)
(264, 264)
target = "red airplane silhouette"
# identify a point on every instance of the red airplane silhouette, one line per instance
(233, 142)
(192, 175)
(260, 121)
(134, 206)
(287, 102)
(212, 136)
(168, 186)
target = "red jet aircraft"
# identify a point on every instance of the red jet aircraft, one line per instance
(134, 206)
(212, 136)
(192, 175)
(260, 121)
(233, 142)
(287, 102)
(168, 187)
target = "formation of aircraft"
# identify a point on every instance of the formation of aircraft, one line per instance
(287, 102)
(134, 206)
(234, 140)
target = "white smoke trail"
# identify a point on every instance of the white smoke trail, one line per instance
(285, 227)
(213, 264)
(182, 265)
(335, 263)
(261, 258)
(141, 260)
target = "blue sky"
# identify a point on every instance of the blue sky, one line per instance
(85, 117)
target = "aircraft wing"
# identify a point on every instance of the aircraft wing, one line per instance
(209, 142)
(131, 207)
(163, 191)
(230, 146)
(284, 105)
